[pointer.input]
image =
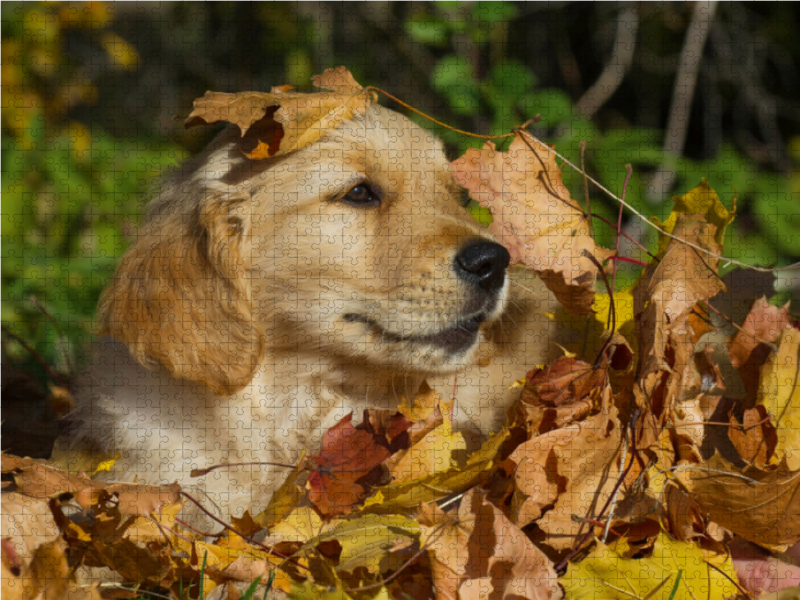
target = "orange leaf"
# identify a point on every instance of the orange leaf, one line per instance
(534, 216)
(281, 121)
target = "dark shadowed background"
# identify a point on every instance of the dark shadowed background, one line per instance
(94, 95)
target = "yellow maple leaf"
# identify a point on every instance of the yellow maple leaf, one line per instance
(702, 200)
(779, 393)
(676, 570)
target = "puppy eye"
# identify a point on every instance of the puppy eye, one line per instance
(361, 195)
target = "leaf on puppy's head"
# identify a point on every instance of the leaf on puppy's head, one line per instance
(282, 120)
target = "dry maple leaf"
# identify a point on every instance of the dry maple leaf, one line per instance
(534, 216)
(665, 297)
(479, 553)
(759, 505)
(588, 468)
(282, 120)
(348, 454)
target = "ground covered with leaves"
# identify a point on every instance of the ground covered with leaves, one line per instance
(664, 465)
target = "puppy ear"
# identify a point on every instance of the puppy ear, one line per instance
(181, 296)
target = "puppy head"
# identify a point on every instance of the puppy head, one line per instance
(353, 250)
(362, 246)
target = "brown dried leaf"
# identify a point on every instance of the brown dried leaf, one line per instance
(282, 121)
(664, 299)
(760, 506)
(536, 476)
(41, 479)
(561, 393)
(748, 354)
(755, 439)
(484, 554)
(589, 466)
(534, 216)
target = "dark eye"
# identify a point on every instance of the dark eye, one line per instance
(361, 195)
(463, 198)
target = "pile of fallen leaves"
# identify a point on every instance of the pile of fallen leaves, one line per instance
(638, 472)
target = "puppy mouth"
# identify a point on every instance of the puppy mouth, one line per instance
(453, 339)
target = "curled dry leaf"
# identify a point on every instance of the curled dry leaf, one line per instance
(534, 216)
(41, 479)
(348, 454)
(779, 393)
(665, 297)
(756, 438)
(536, 475)
(556, 395)
(478, 553)
(282, 120)
(759, 505)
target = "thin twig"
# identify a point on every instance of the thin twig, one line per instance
(585, 186)
(430, 118)
(616, 491)
(246, 538)
(202, 472)
(628, 260)
(612, 310)
(402, 567)
(626, 236)
(195, 529)
(683, 91)
(56, 377)
(729, 578)
(649, 223)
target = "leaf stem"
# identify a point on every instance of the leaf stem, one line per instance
(628, 173)
(628, 260)
(430, 118)
(623, 476)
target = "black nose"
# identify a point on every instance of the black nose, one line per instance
(483, 264)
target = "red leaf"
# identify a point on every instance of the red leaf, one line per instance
(347, 455)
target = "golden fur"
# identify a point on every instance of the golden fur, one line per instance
(231, 335)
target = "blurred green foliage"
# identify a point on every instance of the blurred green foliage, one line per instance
(91, 90)
(71, 193)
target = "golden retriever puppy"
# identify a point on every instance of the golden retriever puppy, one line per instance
(264, 300)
